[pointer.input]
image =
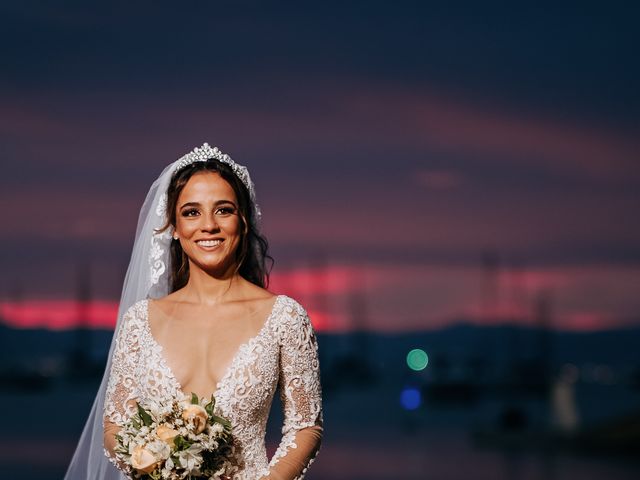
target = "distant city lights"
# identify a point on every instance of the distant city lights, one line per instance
(410, 398)
(417, 359)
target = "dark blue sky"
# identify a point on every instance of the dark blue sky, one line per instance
(391, 137)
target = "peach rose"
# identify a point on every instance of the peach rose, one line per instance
(143, 460)
(197, 415)
(166, 434)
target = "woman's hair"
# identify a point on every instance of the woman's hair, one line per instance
(252, 250)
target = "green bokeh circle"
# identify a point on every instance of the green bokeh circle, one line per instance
(417, 359)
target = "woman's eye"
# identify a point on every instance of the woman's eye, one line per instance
(225, 211)
(187, 213)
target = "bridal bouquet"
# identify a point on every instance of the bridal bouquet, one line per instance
(176, 440)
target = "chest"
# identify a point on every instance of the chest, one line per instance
(244, 389)
(199, 355)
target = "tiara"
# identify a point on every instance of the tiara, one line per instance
(205, 152)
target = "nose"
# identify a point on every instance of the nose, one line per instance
(209, 222)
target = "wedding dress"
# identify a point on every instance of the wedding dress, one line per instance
(283, 353)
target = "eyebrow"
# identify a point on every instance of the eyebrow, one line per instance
(198, 204)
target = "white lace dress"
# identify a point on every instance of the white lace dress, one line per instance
(283, 353)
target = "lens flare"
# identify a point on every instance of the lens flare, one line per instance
(417, 359)
(410, 398)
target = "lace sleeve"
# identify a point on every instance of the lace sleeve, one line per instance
(119, 403)
(121, 392)
(301, 396)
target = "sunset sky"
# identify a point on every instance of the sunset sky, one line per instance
(416, 165)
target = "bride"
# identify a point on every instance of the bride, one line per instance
(195, 316)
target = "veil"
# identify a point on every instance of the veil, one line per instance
(147, 276)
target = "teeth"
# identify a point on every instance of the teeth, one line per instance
(209, 243)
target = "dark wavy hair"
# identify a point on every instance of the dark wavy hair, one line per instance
(251, 254)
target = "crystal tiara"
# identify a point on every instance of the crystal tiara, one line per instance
(205, 152)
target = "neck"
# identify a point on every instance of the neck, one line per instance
(208, 288)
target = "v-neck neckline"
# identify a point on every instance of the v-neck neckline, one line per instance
(228, 369)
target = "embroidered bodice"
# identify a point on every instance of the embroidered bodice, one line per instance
(283, 353)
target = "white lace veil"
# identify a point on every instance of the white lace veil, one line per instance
(147, 276)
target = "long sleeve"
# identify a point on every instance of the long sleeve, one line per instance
(301, 396)
(121, 392)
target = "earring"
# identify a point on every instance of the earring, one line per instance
(175, 237)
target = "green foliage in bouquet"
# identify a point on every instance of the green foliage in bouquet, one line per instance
(175, 442)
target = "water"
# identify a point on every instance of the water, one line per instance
(367, 436)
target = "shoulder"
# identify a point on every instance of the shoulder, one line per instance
(292, 317)
(137, 309)
(291, 307)
(134, 314)
(130, 327)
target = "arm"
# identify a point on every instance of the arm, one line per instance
(120, 396)
(301, 396)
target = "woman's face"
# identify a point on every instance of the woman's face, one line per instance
(208, 223)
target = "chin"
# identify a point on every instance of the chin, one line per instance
(213, 265)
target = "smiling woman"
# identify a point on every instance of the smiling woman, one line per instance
(196, 317)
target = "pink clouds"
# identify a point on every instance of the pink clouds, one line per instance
(59, 314)
(424, 297)
(421, 208)
(433, 120)
(394, 298)
(66, 314)
(396, 215)
(351, 114)
(61, 213)
(437, 208)
(439, 179)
